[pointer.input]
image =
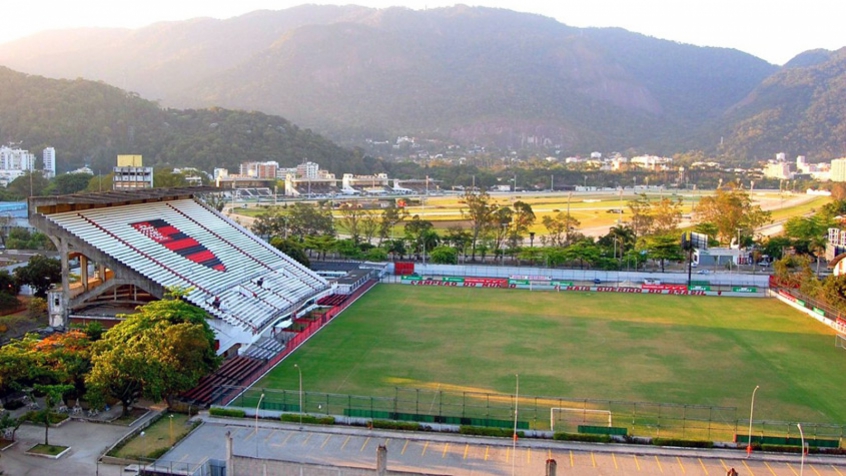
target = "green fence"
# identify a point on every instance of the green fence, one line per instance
(789, 441)
(603, 430)
(448, 420)
(665, 420)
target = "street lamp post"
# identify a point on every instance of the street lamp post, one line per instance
(514, 444)
(300, 371)
(802, 463)
(171, 429)
(751, 410)
(258, 405)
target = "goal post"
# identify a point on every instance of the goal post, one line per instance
(580, 415)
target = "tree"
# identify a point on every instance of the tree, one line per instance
(501, 223)
(523, 217)
(560, 228)
(369, 225)
(811, 232)
(666, 216)
(308, 220)
(583, 251)
(352, 218)
(30, 184)
(8, 283)
(16, 362)
(792, 270)
(641, 215)
(478, 210)
(271, 222)
(321, 244)
(664, 248)
(291, 248)
(458, 238)
(391, 217)
(100, 183)
(52, 396)
(444, 255)
(66, 184)
(619, 240)
(731, 211)
(157, 353)
(40, 273)
(167, 178)
(834, 292)
(215, 200)
(422, 235)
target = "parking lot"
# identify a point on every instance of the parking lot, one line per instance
(457, 455)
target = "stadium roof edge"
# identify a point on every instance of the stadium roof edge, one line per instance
(62, 203)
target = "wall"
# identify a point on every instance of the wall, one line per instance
(757, 280)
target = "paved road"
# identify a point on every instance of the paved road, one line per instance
(87, 442)
(462, 456)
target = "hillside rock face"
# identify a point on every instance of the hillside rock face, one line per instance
(473, 75)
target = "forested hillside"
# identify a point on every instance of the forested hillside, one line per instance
(799, 110)
(90, 123)
(467, 74)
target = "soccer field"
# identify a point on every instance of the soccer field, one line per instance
(688, 350)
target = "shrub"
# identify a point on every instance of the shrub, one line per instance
(488, 431)
(396, 425)
(309, 419)
(227, 412)
(582, 437)
(36, 417)
(682, 443)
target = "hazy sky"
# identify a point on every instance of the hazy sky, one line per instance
(770, 29)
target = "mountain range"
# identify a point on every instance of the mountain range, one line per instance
(468, 75)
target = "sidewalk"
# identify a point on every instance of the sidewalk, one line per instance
(535, 444)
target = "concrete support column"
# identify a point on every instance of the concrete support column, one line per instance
(230, 466)
(382, 460)
(551, 467)
(83, 271)
(63, 254)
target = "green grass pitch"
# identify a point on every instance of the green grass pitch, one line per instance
(649, 348)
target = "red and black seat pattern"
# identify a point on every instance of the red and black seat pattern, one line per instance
(171, 238)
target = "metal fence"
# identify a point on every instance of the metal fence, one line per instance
(644, 419)
(534, 412)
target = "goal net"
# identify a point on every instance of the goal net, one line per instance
(568, 419)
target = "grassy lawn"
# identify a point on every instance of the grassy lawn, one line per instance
(648, 348)
(591, 209)
(51, 450)
(157, 438)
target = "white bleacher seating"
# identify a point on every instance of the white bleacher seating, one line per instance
(247, 258)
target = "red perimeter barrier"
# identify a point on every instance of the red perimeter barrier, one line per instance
(300, 338)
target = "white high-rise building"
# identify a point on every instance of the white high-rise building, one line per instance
(838, 170)
(308, 170)
(14, 163)
(49, 159)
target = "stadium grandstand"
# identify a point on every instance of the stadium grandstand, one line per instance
(132, 246)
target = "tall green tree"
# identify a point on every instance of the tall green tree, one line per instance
(66, 184)
(731, 211)
(391, 217)
(561, 228)
(663, 248)
(478, 210)
(158, 352)
(52, 396)
(40, 273)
